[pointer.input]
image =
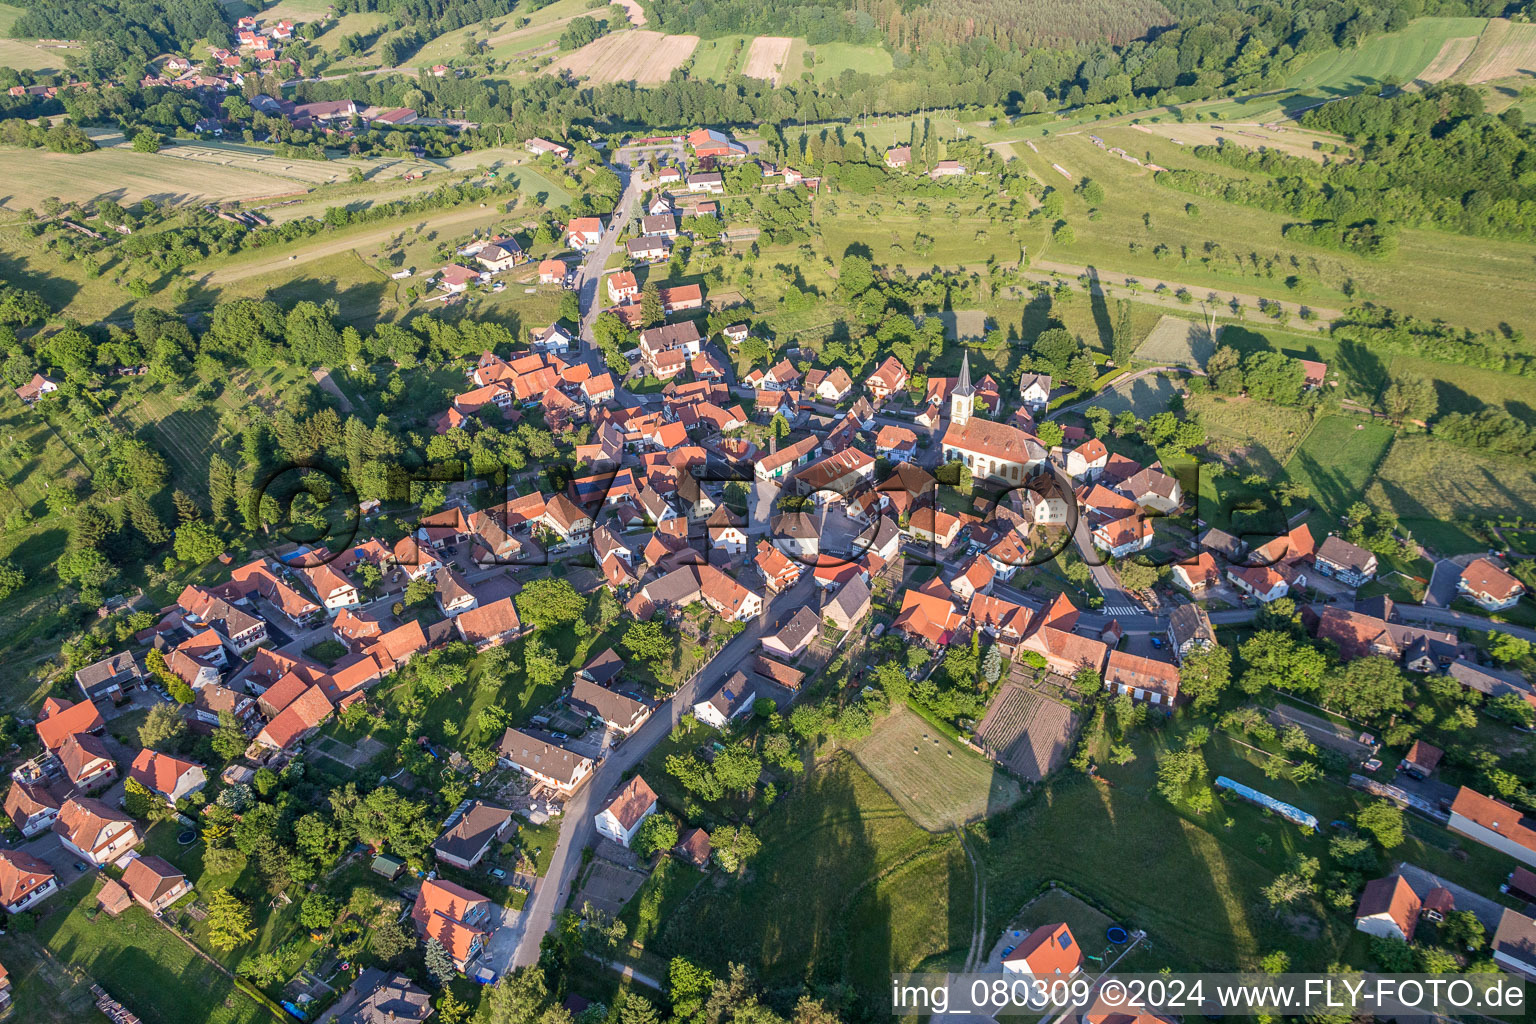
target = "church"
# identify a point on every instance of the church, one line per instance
(991, 450)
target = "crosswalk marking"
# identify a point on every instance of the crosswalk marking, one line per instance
(1121, 609)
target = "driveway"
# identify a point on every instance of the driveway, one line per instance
(47, 847)
(1442, 584)
(577, 831)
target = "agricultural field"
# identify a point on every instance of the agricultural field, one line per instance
(898, 233)
(633, 11)
(808, 911)
(715, 60)
(826, 61)
(938, 782)
(1254, 437)
(1337, 460)
(1505, 49)
(1453, 54)
(234, 155)
(767, 58)
(26, 54)
(639, 56)
(1288, 139)
(1398, 56)
(1432, 485)
(33, 175)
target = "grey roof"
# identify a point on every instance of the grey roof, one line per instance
(1490, 681)
(540, 755)
(852, 601)
(1338, 551)
(614, 708)
(603, 668)
(380, 998)
(1223, 543)
(1516, 938)
(1189, 622)
(801, 625)
(469, 833)
(732, 695)
(119, 665)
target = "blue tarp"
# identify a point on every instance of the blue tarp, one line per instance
(1281, 808)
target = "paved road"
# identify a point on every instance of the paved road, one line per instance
(589, 276)
(1441, 591)
(576, 828)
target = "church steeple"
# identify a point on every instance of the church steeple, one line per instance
(962, 402)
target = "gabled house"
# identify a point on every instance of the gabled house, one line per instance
(584, 232)
(106, 678)
(489, 625)
(95, 832)
(154, 883)
(1189, 629)
(32, 807)
(1047, 950)
(471, 831)
(169, 778)
(1495, 824)
(889, 377)
(61, 720)
(87, 762)
(457, 918)
(561, 769)
(898, 444)
(1147, 679)
(618, 711)
(1489, 586)
(1348, 563)
(1388, 908)
(778, 570)
(790, 640)
(25, 881)
(1087, 460)
(1197, 575)
(632, 804)
(733, 699)
(377, 997)
(1035, 391)
(453, 594)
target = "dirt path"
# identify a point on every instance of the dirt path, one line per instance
(321, 248)
(976, 957)
(323, 378)
(1040, 270)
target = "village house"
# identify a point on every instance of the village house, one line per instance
(1047, 950)
(458, 918)
(620, 820)
(61, 720)
(169, 778)
(539, 147)
(470, 832)
(1189, 629)
(733, 699)
(898, 444)
(1495, 824)
(1421, 760)
(552, 272)
(791, 639)
(889, 378)
(1035, 391)
(622, 286)
(618, 711)
(32, 807)
(489, 625)
(1489, 586)
(1143, 678)
(94, 832)
(646, 249)
(500, 254)
(106, 678)
(1348, 563)
(560, 769)
(1388, 908)
(87, 762)
(849, 606)
(1087, 460)
(584, 232)
(456, 278)
(898, 156)
(377, 997)
(1197, 575)
(779, 571)
(154, 883)
(25, 881)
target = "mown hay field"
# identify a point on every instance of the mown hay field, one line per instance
(640, 56)
(939, 783)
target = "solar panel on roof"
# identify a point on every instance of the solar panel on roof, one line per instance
(1064, 940)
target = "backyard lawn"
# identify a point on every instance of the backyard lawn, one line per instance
(143, 965)
(1338, 459)
(818, 902)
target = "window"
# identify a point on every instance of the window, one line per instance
(1065, 941)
